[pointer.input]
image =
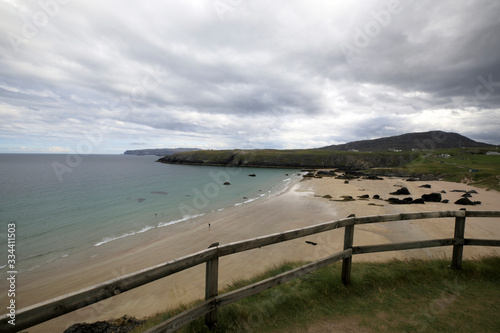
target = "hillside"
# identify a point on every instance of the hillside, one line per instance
(313, 158)
(421, 141)
(158, 151)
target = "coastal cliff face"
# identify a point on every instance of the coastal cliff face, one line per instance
(292, 158)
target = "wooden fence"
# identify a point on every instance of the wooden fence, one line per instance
(53, 308)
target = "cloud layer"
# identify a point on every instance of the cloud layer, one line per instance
(120, 75)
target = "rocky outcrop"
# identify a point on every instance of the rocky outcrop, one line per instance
(467, 202)
(432, 197)
(401, 191)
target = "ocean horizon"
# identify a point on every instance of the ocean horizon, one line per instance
(62, 206)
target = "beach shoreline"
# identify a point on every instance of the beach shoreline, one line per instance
(301, 205)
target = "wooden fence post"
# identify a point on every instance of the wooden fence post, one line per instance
(212, 286)
(347, 262)
(458, 249)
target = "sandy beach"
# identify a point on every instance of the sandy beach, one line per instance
(302, 205)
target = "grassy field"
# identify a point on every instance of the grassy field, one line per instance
(398, 296)
(463, 165)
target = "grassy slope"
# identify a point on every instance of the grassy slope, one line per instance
(456, 168)
(291, 158)
(399, 296)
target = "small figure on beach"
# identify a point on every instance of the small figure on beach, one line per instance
(209, 226)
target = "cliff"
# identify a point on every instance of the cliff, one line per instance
(291, 158)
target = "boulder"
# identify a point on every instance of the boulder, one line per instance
(432, 197)
(466, 195)
(330, 173)
(401, 191)
(418, 201)
(328, 196)
(364, 196)
(373, 177)
(227, 183)
(445, 201)
(376, 196)
(252, 175)
(396, 201)
(472, 191)
(467, 202)
(347, 198)
(425, 186)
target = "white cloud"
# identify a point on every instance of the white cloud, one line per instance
(259, 75)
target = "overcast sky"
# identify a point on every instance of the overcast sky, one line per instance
(107, 76)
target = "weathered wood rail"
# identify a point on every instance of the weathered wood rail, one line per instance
(56, 307)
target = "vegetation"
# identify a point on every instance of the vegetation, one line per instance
(398, 296)
(299, 158)
(470, 165)
(456, 165)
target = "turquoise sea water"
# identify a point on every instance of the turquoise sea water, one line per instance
(61, 205)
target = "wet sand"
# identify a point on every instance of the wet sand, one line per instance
(301, 206)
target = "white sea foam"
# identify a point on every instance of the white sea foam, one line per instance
(110, 239)
(185, 218)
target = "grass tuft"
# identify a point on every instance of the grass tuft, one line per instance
(397, 296)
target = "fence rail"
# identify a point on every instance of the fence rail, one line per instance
(55, 307)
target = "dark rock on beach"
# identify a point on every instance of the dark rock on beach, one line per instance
(432, 197)
(373, 177)
(396, 201)
(227, 183)
(425, 186)
(401, 191)
(364, 196)
(376, 196)
(330, 173)
(467, 202)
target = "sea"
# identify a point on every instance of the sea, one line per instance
(60, 205)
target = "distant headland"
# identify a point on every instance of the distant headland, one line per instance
(158, 151)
